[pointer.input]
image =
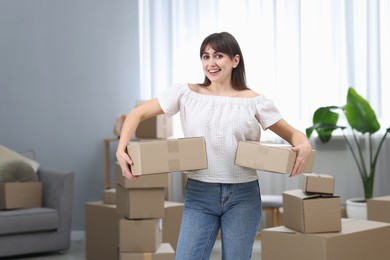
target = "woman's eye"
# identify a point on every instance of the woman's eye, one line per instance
(205, 57)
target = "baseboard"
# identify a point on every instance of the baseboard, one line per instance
(77, 235)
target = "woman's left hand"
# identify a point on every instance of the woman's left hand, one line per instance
(303, 152)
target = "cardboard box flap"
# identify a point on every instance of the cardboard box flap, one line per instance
(349, 226)
(305, 196)
(358, 225)
(282, 229)
(165, 248)
(382, 198)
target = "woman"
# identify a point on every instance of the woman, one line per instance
(224, 197)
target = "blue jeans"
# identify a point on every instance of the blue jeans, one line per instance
(235, 209)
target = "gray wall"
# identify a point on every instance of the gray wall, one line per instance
(67, 69)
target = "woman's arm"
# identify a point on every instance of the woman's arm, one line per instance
(299, 142)
(134, 117)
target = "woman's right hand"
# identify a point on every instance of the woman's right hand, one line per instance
(125, 163)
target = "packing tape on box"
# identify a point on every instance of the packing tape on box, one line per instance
(173, 146)
(260, 153)
(174, 165)
(173, 150)
(147, 256)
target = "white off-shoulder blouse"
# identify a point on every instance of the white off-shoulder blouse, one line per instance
(223, 122)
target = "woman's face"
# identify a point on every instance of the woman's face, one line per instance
(218, 66)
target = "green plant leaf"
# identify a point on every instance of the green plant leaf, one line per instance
(359, 113)
(324, 123)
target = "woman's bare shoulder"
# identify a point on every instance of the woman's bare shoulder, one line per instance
(193, 87)
(248, 93)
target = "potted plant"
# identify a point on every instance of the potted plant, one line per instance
(361, 119)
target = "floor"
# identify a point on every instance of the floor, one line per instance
(77, 252)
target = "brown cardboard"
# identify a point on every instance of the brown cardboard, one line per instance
(159, 126)
(109, 196)
(144, 235)
(318, 183)
(140, 203)
(269, 157)
(173, 212)
(156, 127)
(144, 181)
(378, 209)
(14, 195)
(358, 240)
(311, 213)
(162, 156)
(164, 252)
(101, 231)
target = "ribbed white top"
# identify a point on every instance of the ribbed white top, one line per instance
(223, 122)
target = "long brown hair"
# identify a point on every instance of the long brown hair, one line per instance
(225, 43)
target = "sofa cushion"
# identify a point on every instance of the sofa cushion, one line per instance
(8, 154)
(28, 220)
(17, 170)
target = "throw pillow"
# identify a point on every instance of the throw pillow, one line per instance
(8, 154)
(16, 170)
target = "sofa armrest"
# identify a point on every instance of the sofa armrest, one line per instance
(58, 194)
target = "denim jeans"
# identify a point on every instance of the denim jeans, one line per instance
(235, 209)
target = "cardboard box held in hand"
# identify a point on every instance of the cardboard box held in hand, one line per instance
(171, 155)
(269, 157)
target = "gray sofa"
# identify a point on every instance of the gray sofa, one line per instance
(39, 230)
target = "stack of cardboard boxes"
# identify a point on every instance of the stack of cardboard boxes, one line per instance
(140, 203)
(135, 220)
(313, 209)
(313, 227)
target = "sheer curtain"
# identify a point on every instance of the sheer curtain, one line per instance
(300, 53)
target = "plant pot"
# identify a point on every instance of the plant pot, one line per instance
(356, 208)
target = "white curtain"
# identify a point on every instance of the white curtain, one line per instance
(301, 53)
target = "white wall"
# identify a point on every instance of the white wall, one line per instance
(67, 69)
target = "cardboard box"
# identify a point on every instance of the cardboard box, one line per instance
(311, 213)
(101, 231)
(164, 252)
(159, 126)
(140, 203)
(358, 240)
(156, 127)
(173, 212)
(318, 183)
(269, 157)
(162, 156)
(378, 209)
(15, 195)
(144, 235)
(109, 196)
(145, 181)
